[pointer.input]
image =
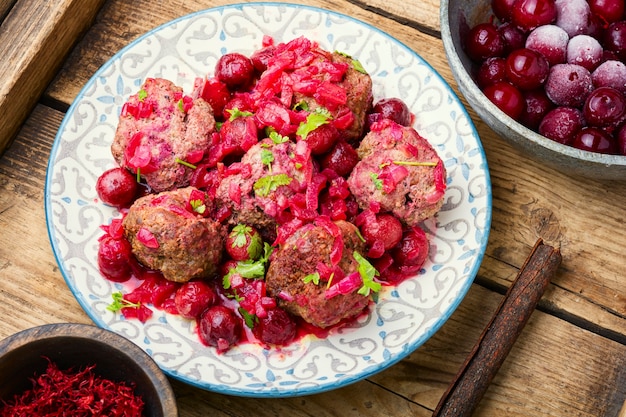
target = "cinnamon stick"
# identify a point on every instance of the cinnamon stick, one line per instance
(471, 382)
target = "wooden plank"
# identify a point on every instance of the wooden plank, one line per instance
(35, 37)
(5, 6)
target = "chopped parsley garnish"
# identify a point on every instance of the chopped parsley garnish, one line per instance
(267, 157)
(119, 302)
(181, 105)
(235, 113)
(265, 185)
(277, 138)
(301, 105)
(185, 163)
(416, 163)
(315, 119)
(142, 94)
(249, 269)
(314, 278)
(378, 183)
(198, 206)
(367, 272)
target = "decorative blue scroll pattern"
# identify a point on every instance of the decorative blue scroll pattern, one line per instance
(404, 316)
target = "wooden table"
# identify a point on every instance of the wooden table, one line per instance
(570, 359)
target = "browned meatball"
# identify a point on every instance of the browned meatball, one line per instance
(300, 257)
(166, 233)
(357, 87)
(158, 129)
(271, 173)
(399, 172)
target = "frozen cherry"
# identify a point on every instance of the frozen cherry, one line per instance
(507, 98)
(243, 243)
(526, 69)
(341, 158)
(573, 16)
(608, 10)
(605, 107)
(277, 327)
(615, 39)
(529, 14)
(537, 106)
(568, 85)
(235, 70)
(394, 109)
(550, 41)
(117, 187)
(491, 71)
(585, 51)
(220, 327)
(193, 297)
(484, 41)
(611, 73)
(594, 139)
(562, 124)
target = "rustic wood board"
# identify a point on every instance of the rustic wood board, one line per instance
(35, 37)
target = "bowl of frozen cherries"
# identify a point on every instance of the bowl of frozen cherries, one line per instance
(547, 75)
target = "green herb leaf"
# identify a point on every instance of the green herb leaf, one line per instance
(142, 94)
(367, 272)
(356, 64)
(265, 185)
(416, 163)
(315, 119)
(250, 269)
(277, 138)
(267, 157)
(249, 319)
(197, 206)
(185, 163)
(378, 183)
(235, 113)
(119, 302)
(314, 278)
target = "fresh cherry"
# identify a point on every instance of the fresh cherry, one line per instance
(484, 41)
(526, 69)
(529, 14)
(507, 98)
(117, 187)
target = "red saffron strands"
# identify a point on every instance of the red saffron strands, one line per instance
(57, 393)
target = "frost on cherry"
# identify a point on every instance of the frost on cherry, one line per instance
(556, 66)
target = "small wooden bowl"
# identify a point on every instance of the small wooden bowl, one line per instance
(27, 354)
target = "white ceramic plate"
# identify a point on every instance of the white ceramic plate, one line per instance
(403, 318)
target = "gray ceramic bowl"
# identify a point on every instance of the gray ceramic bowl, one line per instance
(23, 355)
(459, 14)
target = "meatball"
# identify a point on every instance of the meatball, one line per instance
(158, 129)
(167, 233)
(259, 189)
(307, 253)
(399, 172)
(348, 98)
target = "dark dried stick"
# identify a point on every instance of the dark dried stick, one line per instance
(471, 382)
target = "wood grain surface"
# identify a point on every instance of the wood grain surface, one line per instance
(35, 37)
(570, 360)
